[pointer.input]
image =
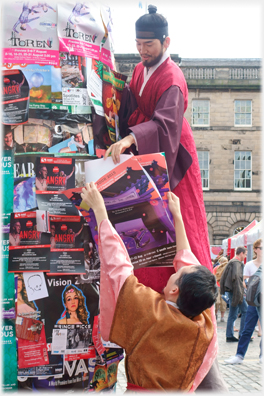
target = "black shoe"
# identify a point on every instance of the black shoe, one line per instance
(231, 339)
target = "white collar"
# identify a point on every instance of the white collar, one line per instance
(148, 72)
(172, 303)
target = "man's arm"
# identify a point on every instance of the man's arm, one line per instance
(161, 133)
(67, 177)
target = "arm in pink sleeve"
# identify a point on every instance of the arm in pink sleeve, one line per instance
(115, 268)
(184, 257)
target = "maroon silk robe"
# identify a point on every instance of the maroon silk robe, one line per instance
(157, 120)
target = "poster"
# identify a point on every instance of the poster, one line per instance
(30, 33)
(29, 248)
(54, 174)
(80, 29)
(66, 245)
(15, 97)
(137, 212)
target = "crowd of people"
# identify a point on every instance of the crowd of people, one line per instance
(232, 278)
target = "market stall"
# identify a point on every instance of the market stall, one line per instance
(246, 237)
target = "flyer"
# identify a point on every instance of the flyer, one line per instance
(113, 85)
(34, 136)
(95, 85)
(24, 182)
(54, 174)
(136, 210)
(80, 29)
(56, 203)
(66, 245)
(28, 329)
(54, 367)
(71, 339)
(107, 49)
(74, 81)
(29, 248)
(15, 97)
(30, 33)
(30, 353)
(76, 135)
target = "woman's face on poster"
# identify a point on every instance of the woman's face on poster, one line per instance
(19, 284)
(71, 301)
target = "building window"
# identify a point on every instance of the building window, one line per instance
(200, 112)
(243, 113)
(203, 157)
(243, 172)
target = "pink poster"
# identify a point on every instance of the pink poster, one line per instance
(30, 33)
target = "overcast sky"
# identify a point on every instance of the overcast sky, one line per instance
(198, 28)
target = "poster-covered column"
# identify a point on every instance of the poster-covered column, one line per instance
(8, 336)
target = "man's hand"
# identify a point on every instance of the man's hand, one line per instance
(118, 148)
(174, 206)
(93, 198)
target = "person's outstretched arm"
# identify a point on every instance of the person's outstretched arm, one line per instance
(115, 264)
(184, 255)
(181, 237)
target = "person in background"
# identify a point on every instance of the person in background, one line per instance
(220, 304)
(253, 314)
(232, 283)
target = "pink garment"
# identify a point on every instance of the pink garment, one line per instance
(116, 267)
(24, 308)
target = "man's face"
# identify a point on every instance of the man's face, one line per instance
(243, 255)
(171, 282)
(17, 227)
(150, 50)
(8, 139)
(44, 172)
(78, 138)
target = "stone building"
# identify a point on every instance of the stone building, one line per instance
(224, 112)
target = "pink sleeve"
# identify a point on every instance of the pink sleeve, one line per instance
(115, 268)
(182, 258)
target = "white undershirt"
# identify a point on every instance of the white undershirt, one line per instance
(149, 71)
(172, 303)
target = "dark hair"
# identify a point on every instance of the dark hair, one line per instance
(240, 249)
(197, 291)
(151, 22)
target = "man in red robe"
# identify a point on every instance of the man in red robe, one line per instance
(151, 120)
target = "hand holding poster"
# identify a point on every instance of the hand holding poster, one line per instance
(136, 210)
